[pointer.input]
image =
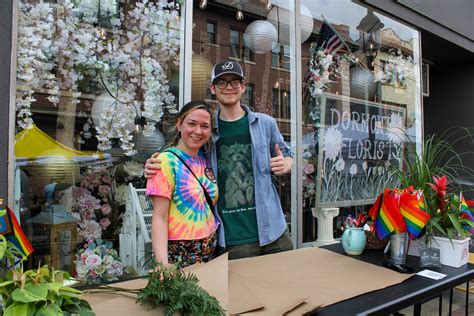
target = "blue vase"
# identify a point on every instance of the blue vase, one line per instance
(353, 240)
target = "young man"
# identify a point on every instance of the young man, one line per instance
(246, 148)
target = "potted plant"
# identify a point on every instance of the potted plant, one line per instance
(40, 291)
(451, 224)
(436, 172)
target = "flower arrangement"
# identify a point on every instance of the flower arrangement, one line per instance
(129, 60)
(94, 205)
(451, 215)
(324, 68)
(396, 70)
(309, 178)
(435, 172)
(97, 262)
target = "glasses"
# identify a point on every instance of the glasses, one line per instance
(235, 83)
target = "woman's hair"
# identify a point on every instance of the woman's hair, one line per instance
(185, 110)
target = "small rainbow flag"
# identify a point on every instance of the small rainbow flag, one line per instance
(412, 207)
(466, 213)
(17, 236)
(389, 219)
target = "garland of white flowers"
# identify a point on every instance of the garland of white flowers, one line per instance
(131, 63)
(34, 63)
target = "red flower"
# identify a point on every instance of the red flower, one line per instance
(440, 189)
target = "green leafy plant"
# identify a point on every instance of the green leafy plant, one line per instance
(439, 158)
(39, 292)
(178, 292)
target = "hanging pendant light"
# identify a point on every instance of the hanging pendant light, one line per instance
(280, 18)
(240, 15)
(261, 36)
(203, 4)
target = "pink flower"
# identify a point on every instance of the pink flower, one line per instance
(308, 168)
(104, 223)
(93, 261)
(106, 209)
(104, 190)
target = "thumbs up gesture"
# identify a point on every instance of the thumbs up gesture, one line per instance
(280, 164)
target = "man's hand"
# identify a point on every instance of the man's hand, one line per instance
(151, 165)
(280, 165)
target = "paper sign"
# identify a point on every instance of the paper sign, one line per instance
(431, 274)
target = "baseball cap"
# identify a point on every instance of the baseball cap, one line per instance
(226, 67)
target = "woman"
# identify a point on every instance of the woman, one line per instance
(183, 225)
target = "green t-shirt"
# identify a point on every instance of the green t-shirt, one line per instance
(236, 204)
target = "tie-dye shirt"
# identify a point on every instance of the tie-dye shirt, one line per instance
(190, 216)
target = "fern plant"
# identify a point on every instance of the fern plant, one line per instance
(178, 292)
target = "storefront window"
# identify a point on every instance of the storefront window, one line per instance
(248, 36)
(97, 90)
(361, 108)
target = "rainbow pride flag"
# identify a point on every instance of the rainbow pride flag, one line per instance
(412, 208)
(387, 218)
(17, 236)
(465, 212)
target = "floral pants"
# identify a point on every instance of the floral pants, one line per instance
(187, 252)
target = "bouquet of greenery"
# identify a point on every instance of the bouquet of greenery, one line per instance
(178, 292)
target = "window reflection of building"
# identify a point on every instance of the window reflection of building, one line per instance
(248, 98)
(281, 57)
(237, 46)
(212, 32)
(281, 103)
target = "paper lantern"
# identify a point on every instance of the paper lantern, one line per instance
(148, 145)
(201, 77)
(105, 105)
(260, 36)
(362, 83)
(280, 18)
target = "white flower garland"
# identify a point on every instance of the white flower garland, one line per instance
(130, 63)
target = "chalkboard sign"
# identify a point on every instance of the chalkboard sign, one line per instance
(357, 143)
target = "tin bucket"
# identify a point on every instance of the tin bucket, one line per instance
(399, 248)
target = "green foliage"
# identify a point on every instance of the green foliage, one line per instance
(39, 292)
(439, 157)
(178, 292)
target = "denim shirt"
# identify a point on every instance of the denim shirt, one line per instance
(265, 134)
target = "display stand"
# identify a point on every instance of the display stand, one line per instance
(325, 216)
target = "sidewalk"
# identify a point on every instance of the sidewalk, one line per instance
(459, 303)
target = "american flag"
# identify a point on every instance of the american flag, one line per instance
(329, 40)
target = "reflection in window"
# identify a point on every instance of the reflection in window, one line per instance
(211, 32)
(281, 57)
(281, 103)
(248, 98)
(237, 46)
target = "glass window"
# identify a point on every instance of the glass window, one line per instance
(95, 103)
(211, 32)
(235, 43)
(248, 98)
(281, 57)
(238, 46)
(361, 109)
